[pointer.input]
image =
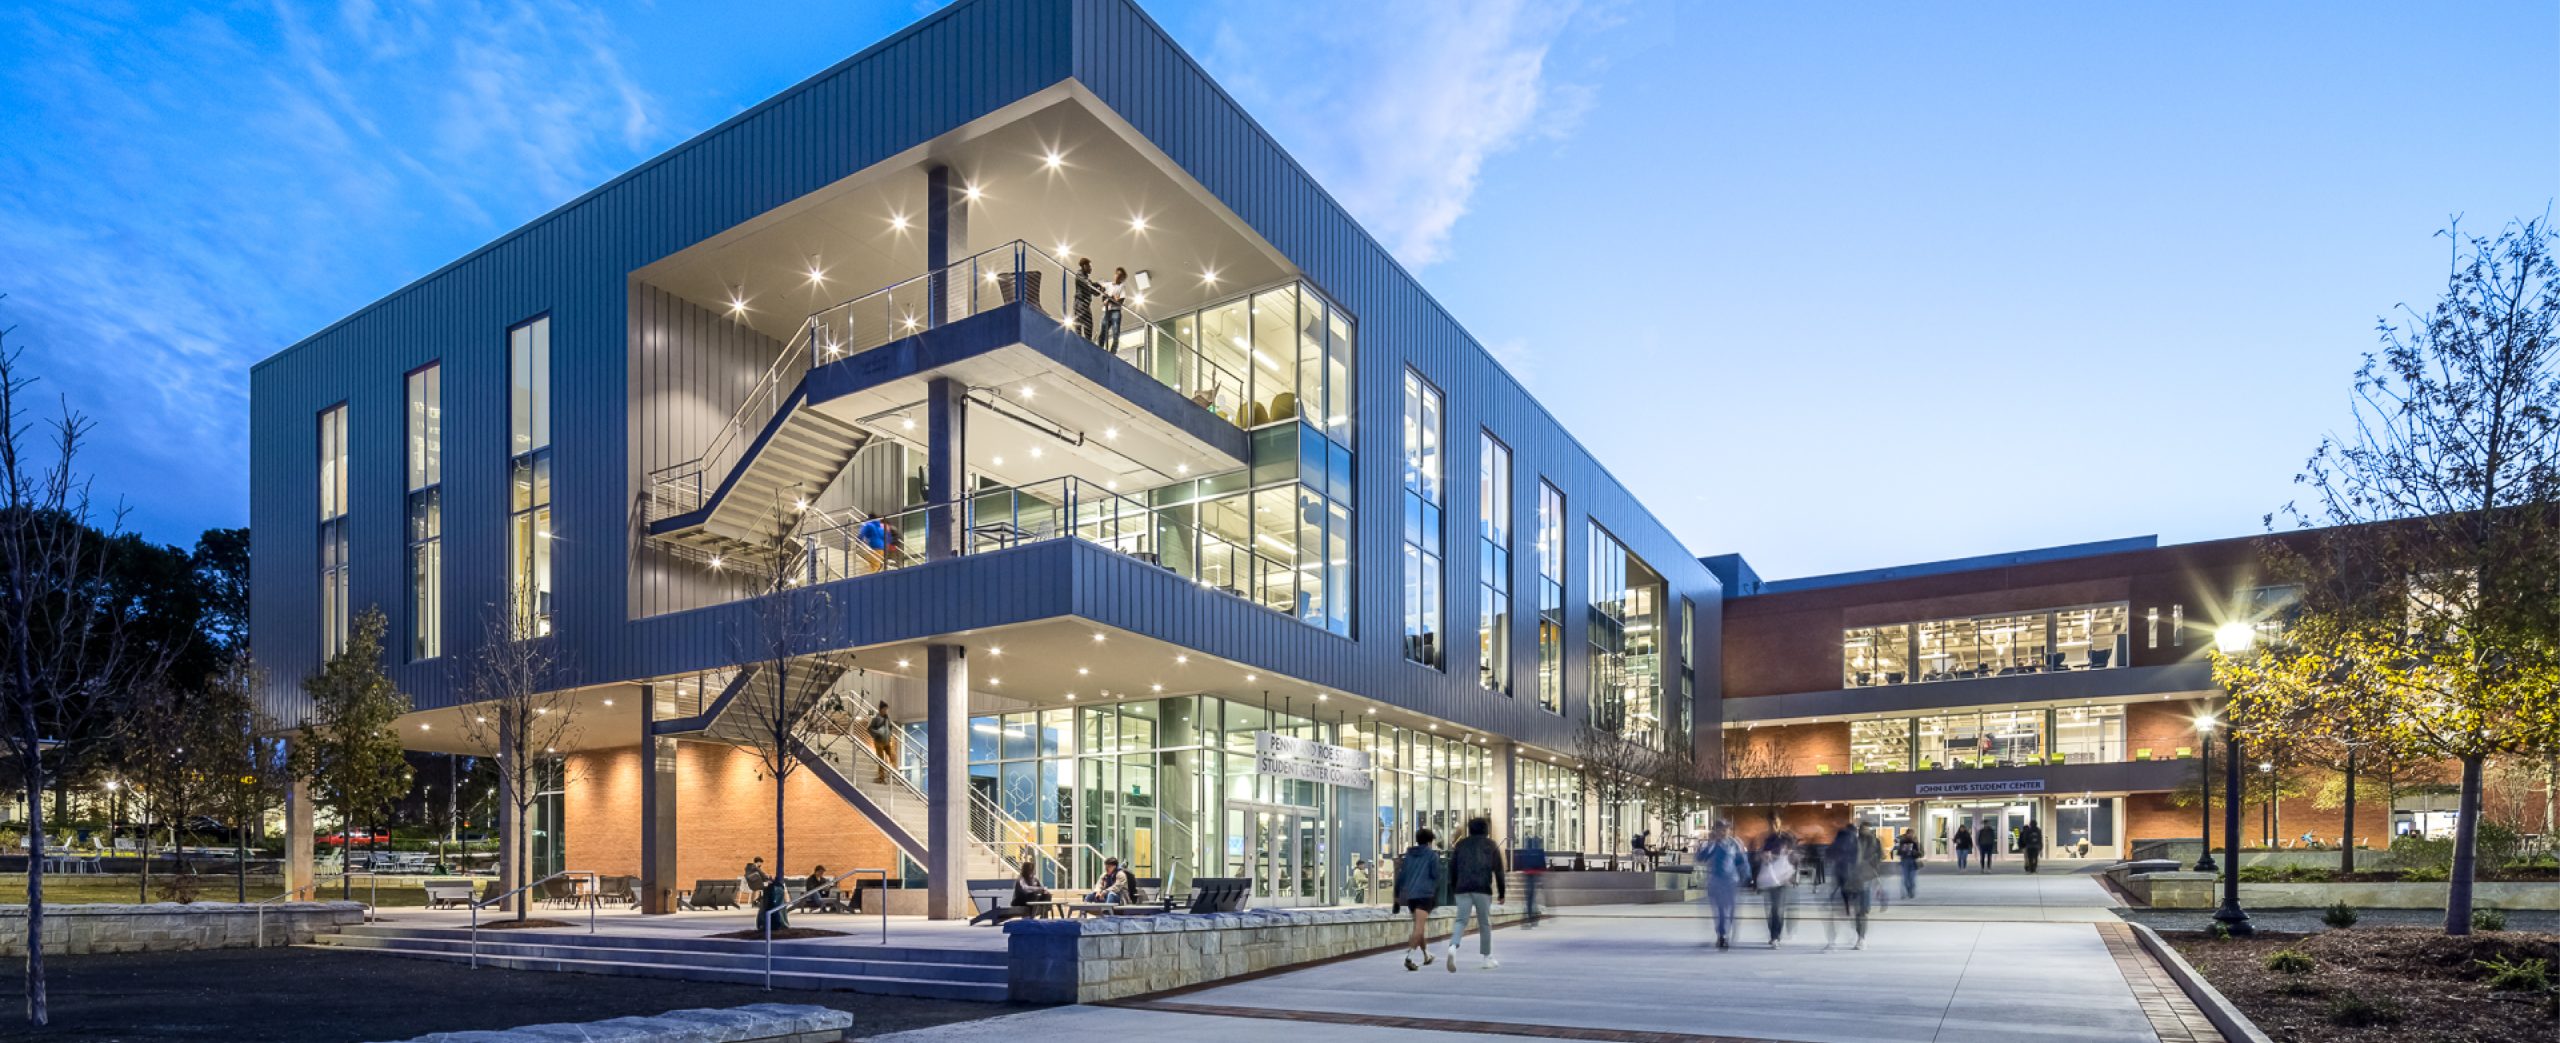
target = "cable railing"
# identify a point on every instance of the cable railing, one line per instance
(1013, 273)
(764, 914)
(839, 547)
(484, 903)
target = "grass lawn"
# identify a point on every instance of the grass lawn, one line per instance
(79, 888)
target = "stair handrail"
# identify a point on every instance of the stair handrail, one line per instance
(372, 902)
(480, 904)
(882, 767)
(764, 915)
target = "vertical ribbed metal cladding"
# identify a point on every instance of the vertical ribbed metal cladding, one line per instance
(1134, 67)
(574, 263)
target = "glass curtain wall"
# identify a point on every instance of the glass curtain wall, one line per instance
(1422, 521)
(529, 474)
(1423, 781)
(2087, 638)
(1493, 566)
(1550, 598)
(1291, 508)
(426, 512)
(1547, 805)
(2079, 735)
(1880, 745)
(1995, 738)
(333, 530)
(1626, 641)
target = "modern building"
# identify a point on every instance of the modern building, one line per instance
(1246, 576)
(2064, 686)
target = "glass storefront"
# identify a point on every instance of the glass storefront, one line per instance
(1547, 805)
(1988, 739)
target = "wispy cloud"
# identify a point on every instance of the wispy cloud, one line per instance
(1398, 107)
(190, 191)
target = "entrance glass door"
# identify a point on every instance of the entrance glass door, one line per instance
(2004, 818)
(1281, 849)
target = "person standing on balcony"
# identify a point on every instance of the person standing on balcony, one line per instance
(874, 535)
(884, 741)
(1114, 293)
(1085, 289)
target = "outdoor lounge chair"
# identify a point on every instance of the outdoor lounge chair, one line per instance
(990, 896)
(713, 894)
(620, 890)
(1219, 894)
(448, 894)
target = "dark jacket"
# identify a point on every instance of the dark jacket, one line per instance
(2031, 838)
(1907, 849)
(1419, 875)
(1964, 840)
(1986, 840)
(1475, 868)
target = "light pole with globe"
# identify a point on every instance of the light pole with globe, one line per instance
(2235, 638)
(2204, 796)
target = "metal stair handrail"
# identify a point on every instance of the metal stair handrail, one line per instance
(480, 904)
(764, 915)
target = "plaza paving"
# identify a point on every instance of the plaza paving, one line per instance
(1976, 958)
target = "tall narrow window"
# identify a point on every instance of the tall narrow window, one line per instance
(1684, 716)
(1550, 598)
(426, 512)
(529, 474)
(1422, 500)
(333, 530)
(1493, 601)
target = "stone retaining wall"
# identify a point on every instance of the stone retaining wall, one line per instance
(2190, 890)
(169, 927)
(1083, 961)
(754, 1023)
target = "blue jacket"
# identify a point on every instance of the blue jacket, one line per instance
(1419, 875)
(1724, 862)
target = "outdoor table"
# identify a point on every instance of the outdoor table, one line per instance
(1092, 908)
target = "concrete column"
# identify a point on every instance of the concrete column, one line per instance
(658, 882)
(946, 239)
(297, 835)
(946, 467)
(946, 735)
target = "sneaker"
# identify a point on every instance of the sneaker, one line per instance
(1489, 964)
(1723, 944)
(1452, 961)
(1426, 956)
(1408, 961)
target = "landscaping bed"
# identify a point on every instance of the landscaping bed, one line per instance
(2396, 984)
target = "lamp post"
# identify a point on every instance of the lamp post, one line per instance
(2234, 638)
(2204, 797)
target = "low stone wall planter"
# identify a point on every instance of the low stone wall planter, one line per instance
(170, 927)
(755, 1023)
(1106, 958)
(2188, 890)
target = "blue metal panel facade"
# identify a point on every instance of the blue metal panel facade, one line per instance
(962, 63)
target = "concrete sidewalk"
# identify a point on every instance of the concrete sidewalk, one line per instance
(1978, 959)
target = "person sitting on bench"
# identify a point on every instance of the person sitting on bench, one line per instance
(1114, 887)
(1026, 890)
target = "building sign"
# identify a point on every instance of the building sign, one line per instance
(1960, 789)
(1310, 761)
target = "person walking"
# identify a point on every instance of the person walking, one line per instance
(1985, 841)
(1419, 878)
(1533, 865)
(884, 740)
(1907, 851)
(1475, 880)
(2031, 844)
(1871, 864)
(1848, 875)
(1964, 845)
(1726, 867)
(1777, 877)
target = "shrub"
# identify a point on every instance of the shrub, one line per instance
(2291, 961)
(2488, 919)
(2414, 853)
(2301, 987)
(2340, 916)
(2533, 975)
(2426, 875)
(2494, 845)
(2221, 931)
(2261, 874)
(2353, 1010)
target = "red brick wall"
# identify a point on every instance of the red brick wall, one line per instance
(1805, 748)
(724, 816)
(2151, 815)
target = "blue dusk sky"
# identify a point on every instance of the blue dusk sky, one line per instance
(1834, 285)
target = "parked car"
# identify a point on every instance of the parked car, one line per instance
(356, 836)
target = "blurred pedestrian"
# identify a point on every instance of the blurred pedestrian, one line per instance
(1907, 850)
(1985, 841)
(1726, 867)
(1849, 882)
(1419, 877)
(1964, 845)
(1533, 865)
(1777, 877)
(1475, 879)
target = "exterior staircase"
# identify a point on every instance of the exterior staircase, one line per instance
(745, 711)
(956, 974)
(850, 768)
(760, 499)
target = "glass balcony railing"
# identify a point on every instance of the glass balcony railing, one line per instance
(837, 547)
(1013, 273)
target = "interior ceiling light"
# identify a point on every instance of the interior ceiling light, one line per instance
(1051, 160)
(902, 664)
(995, 649)
(1138, 224)
(608, 702)
(1155, 688)
(817, 275)
(897, 222)
(972, 193)
(1182, 468)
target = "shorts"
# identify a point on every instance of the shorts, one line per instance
(1419, 904)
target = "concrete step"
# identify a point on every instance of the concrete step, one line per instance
(908, 954)
(511, 944)
(881, 985)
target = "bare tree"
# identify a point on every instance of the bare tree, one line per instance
(1616, 769)
(785, 629)
(1751, 772)
(68, 659)
(518, 715)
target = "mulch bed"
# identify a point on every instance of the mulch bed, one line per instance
(784, 935)
(2382, 984)
(521, 925)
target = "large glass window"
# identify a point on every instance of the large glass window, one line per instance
(333, 530)
(529, 474)
(2089, 734)
(1626, 641)
(2092, 637)
(1880, 745)
(1278, 532)
(426, 513)
(1996, 738)
(1550, 598)
(1422, 522)
(1547, 805)
(1493, 567)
